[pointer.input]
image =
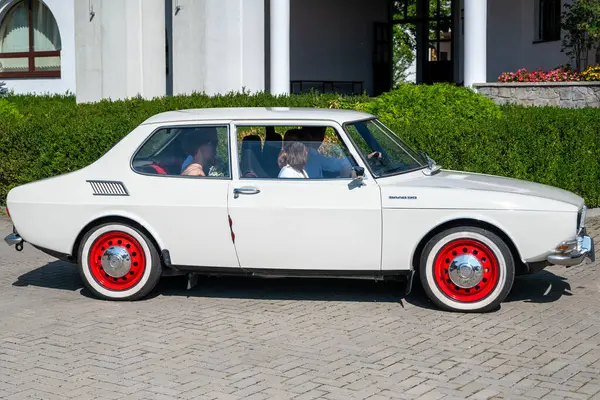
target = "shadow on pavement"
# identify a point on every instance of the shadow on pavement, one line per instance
(543, 287)
(55, 275)
(285, 289)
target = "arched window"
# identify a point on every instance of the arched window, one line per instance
(29, 42)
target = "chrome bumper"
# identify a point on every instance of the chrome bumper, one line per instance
(13, 239)
(576, 251)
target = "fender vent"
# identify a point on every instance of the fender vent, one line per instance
(108, 188)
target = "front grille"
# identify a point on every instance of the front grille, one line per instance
(108, 188)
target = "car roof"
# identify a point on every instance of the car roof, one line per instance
(257, 113)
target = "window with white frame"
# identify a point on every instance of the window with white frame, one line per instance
(548, 15)
(29, 41)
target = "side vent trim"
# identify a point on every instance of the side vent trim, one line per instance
(108, 188)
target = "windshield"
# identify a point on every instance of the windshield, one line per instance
(383, 150)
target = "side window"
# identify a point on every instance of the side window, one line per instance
(200, 151)
(302, 152)
(548, 20)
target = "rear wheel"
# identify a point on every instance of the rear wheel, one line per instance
(118, 262)
(467, 269)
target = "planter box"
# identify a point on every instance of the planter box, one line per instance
(559, 94)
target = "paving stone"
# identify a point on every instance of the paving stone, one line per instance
(232, 338)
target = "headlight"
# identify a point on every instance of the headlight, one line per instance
(567, 246)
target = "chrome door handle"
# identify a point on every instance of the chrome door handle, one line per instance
(244, 190)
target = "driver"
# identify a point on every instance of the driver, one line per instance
(317, 163)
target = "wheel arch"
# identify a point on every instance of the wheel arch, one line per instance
(112, 219)
(470, 222)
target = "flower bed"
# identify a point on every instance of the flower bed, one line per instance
(556, 75)
(591, 74)
(560, 74)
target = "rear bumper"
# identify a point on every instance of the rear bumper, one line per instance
(578, 250)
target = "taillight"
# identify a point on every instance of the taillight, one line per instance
(7, 212)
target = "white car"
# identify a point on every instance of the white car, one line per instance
(198, 192)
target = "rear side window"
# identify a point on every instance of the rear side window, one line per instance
(199, 151)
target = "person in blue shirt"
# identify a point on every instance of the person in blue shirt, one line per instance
(198, 135)
(317, 164)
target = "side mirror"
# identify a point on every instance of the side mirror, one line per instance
(358, 174)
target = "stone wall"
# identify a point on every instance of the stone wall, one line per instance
(560, 94)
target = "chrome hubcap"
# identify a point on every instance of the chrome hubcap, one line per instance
(116, 261)
(465, 271)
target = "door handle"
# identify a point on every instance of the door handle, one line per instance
(244, 190)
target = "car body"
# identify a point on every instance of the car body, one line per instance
(388, 212)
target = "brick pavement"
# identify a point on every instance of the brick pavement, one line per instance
(233, 338)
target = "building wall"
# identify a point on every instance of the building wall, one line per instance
(511, 35)
(120, 50)
(333, 39)
(218, 46)
(63, 11)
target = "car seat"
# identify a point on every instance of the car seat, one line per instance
(251, 154)
(271, 151)
(152, 169)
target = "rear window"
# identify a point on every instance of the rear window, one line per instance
(199, 151)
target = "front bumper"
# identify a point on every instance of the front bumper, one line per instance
(576, 251)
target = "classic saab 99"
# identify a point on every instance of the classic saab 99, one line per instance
(294, 192)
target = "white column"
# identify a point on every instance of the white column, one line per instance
(475, 50)
(280, 47)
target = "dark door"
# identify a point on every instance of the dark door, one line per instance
(382, 60)
(422, 41)
(440, 54)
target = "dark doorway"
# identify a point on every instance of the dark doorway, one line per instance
(440, 61)
(420, 42)
(382, 59)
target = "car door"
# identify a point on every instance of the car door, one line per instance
(189, 212)
(305, 224)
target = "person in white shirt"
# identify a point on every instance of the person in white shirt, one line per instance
(292, 160)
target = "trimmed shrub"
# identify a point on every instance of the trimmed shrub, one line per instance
(9, 113)
(457, 127)
(554, 146)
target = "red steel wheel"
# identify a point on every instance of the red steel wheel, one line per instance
(117, 261)
(466, 270)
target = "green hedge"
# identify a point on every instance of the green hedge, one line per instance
(554, 146)
(47, 136)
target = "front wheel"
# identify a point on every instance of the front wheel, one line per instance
(467, 269)
(118, 262)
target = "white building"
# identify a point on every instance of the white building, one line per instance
(124, 48)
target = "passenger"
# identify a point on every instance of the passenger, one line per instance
(292, 135)
(292, 160)
(203, 155)
(317, 163)
(188, 141)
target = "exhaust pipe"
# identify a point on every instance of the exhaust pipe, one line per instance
(15, 240)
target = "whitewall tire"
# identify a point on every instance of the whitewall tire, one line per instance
(118, 262)
(467, 269)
